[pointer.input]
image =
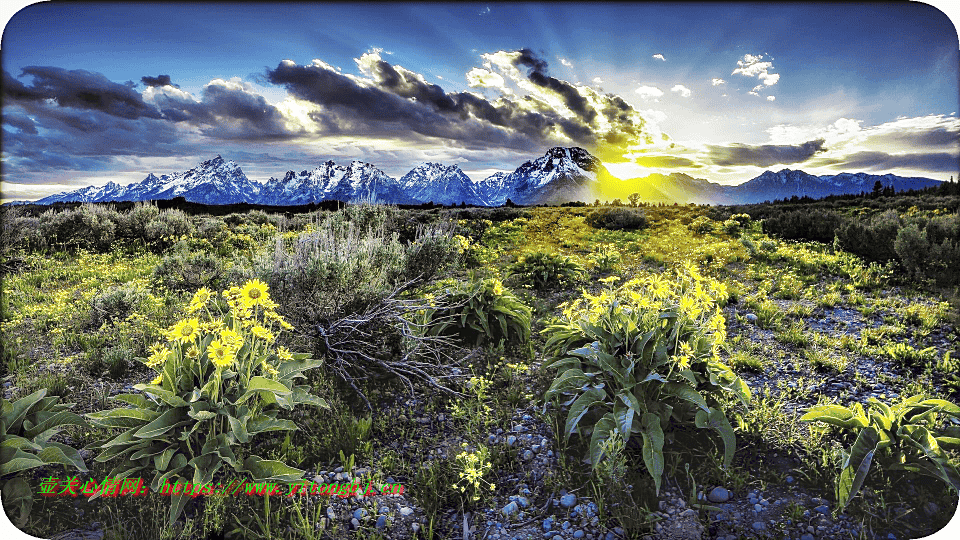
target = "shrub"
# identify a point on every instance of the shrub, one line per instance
(27, 425)
(702, 225)
(185, 271)
(114, 304)
(904, 437)
(219, 383)
(133, 223)
(636, 359)
(86, 227)
(482, 312)
(617, 218)
(605, 257)
(169, 225)
(817, 225)
(546, 270)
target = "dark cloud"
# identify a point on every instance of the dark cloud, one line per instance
(79, 89)
(160, 80)
(764, 155)
(21, 122)
(538, 76)
(399, 101)
(242, 115)
(938, 137)
(945, 162)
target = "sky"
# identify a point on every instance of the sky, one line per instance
(721, 91)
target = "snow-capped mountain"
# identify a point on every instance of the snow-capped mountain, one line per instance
(356, 182)
(561, 175)
(212, 182)
(433, 182)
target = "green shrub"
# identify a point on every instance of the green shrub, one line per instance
(482, 312)
(546, 270)
(817, 225)
(134, 222)
(617, 218)
(88, 227)
(219, 383)
(702, 225)
(169, 225)
(903, 437)
(188, 271)
(637, 359)
(605, 257)
(114, 304)
(27, 425)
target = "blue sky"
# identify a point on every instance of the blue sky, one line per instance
(721, 91)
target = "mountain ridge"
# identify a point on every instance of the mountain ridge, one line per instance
(561, 175)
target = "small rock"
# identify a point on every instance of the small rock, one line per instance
(381, 522)
(578, 534)
(523, 502)
(823, 509)
(511, 440)
(751, 317)
(548, 523)
(354, 523)
(718, 495)
(568, 500)
(528, 455)
(565, 526)
(789, 479)
(510, 509)
(759, 525)
(359, 513)
(806, 536)
(405, 510)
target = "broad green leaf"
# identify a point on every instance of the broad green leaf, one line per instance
(580, 407)
(122, 418)
(686, 393)
(652, 447)
(271, 470)
(264, 386)
(65, 455)
(624, 418)
(162, 424)
(601, 432)
(857, 465)
(831, 414)
(717, 421)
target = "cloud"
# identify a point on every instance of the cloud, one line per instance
(665, 161)
(682, 90)
(763, 155)
(771, 98)
(649, 92)
(753, 66)
(485, 10)
(482, 78)
(943, 162)
(566, 62)
(716, 81)
(659, 57)
(160, 80)
(597, 80)
(78, 89)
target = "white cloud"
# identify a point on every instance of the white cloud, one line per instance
(566, 62)
(485, 11)
(659, 57)
(682, 90)
(598, 80)
(649, 92)
(771, 98)
(752, 66)
(481, 78)
(716, 82)
(656, 116)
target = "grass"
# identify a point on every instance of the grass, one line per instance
(48, 306)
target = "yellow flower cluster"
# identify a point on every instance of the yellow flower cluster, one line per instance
(473, 465)
(240, 336)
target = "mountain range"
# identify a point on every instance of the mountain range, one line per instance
(561, 175)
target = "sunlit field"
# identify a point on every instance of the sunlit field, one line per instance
(587, 371)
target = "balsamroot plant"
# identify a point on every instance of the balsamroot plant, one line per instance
(640, 358)
(903, 437)
(220, 381)
(546, 270)
(26, 426)
(482, 312)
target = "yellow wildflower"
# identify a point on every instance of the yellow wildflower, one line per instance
(284, 354)
(262, 333)
(158, 355)
(193, 352)
(184, 330)
(158, 379)
(231, 339)
(254, 293)
(221, 355)
(497, 287)
(200, 300)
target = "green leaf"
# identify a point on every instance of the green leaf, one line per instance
(162, 424)
(831, 414)
(856, 465)
(65, 455)
(262, 385)
(652, 447)
(580, 407)
(122, 418)
(569, 379)
(717, 421)
(271, 470)
(601, 432)
(686, 393)
(238, 429)
(624, 418)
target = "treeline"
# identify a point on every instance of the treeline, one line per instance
(918, 229)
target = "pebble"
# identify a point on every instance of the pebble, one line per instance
(718, 495)
(510, 508)
(511, 440)
(751, 317)
(405, 510)
(359, 513)
(578, 534)
(759, 525)
(568, 500)
(548, 523)
(355, 523)
(566, 525)
(806, 536)
(823, 509)
(528, 455)
(381, 522)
